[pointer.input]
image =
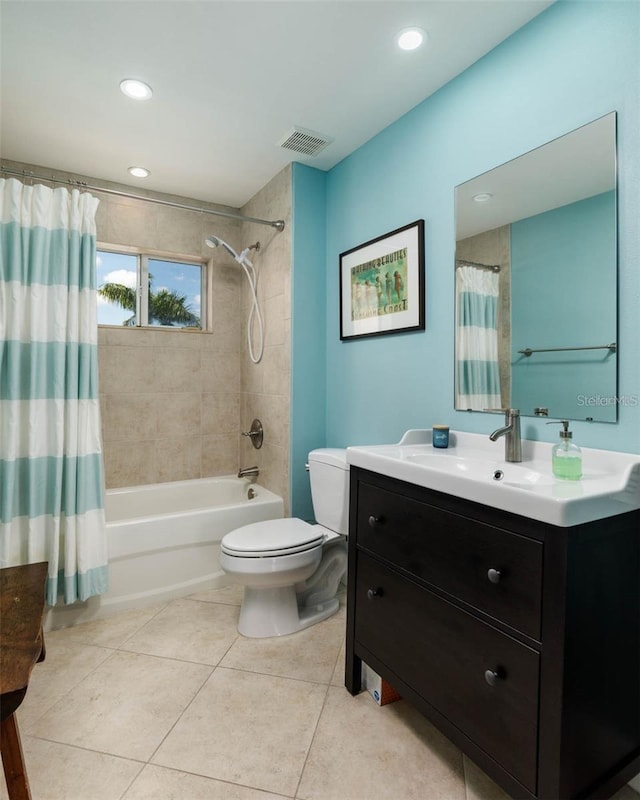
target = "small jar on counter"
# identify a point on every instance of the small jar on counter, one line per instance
(440, 436)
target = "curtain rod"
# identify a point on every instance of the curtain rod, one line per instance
(464, 262)
(26, 174)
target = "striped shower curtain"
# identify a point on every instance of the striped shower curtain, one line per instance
(51, 470)
(477, 372)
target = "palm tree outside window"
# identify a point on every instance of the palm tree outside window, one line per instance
(137, 289)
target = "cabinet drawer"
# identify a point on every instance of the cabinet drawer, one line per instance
(445, 658)
(494, 570)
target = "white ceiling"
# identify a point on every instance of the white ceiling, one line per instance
(230, 80)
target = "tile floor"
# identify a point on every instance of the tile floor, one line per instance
(170, 703)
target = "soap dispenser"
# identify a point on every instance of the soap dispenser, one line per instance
(566, 457)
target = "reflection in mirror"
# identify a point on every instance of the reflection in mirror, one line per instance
(536, 281)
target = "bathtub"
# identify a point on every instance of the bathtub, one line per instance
(164, 541)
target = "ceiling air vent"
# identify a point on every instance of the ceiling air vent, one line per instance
(310, 143)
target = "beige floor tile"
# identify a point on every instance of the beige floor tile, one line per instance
(154, 783)
(479, 785)
(337, 679)
(246, 734)
(228, 595)
(362, 751)
(65, 666)
(108, 632)
(126, 706)
(246, 728)
(309, 655)
(60, 772)
(188, 630)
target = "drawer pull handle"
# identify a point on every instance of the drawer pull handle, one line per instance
(494, 575)
(373, 593)
(375, 522)
(492, 677)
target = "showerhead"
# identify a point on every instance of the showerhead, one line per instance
(214, 241)
(250, 272)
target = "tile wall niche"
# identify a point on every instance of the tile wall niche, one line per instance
(171, 400)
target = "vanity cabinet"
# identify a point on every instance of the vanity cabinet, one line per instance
(519, 640)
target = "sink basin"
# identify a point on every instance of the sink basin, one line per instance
(472, 467)
(483, 469)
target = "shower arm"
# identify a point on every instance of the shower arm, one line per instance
(242, 257)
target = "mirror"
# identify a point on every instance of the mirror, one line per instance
(536, 281)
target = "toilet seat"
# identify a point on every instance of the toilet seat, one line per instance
(272, 538)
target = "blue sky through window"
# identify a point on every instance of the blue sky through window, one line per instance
(182, 278)
(115, 268)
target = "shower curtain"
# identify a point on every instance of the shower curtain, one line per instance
(51, 470)
(477, 372)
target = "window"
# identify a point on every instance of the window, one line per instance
(139, 289)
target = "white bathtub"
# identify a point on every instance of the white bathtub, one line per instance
(164, 541)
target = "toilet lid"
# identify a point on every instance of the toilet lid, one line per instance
(272, 537)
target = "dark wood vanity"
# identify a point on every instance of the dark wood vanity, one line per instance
(518, 639)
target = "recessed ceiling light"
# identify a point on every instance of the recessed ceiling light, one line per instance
(483, 197)
(410, 38)
(139, 172)
(137, 90)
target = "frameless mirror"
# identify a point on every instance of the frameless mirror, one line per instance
(536, 281)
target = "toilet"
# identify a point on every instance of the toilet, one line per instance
(291, 569)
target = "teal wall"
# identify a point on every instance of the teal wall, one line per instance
(573, 63)
(308, 340)
(563, 294)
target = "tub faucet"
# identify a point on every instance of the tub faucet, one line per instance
(511, 432)
(249, 472)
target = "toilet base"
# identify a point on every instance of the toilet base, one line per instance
(274, 612)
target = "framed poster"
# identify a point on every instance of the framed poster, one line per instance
(382, 284)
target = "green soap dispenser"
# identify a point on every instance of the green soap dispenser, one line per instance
(566, 457)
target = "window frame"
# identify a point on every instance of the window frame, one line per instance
(143, 256)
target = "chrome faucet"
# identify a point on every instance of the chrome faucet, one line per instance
(249, 472)
(511, 432)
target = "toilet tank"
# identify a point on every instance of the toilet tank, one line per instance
(329, 475)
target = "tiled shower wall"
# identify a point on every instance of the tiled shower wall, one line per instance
(266, 387)
(171, 400)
